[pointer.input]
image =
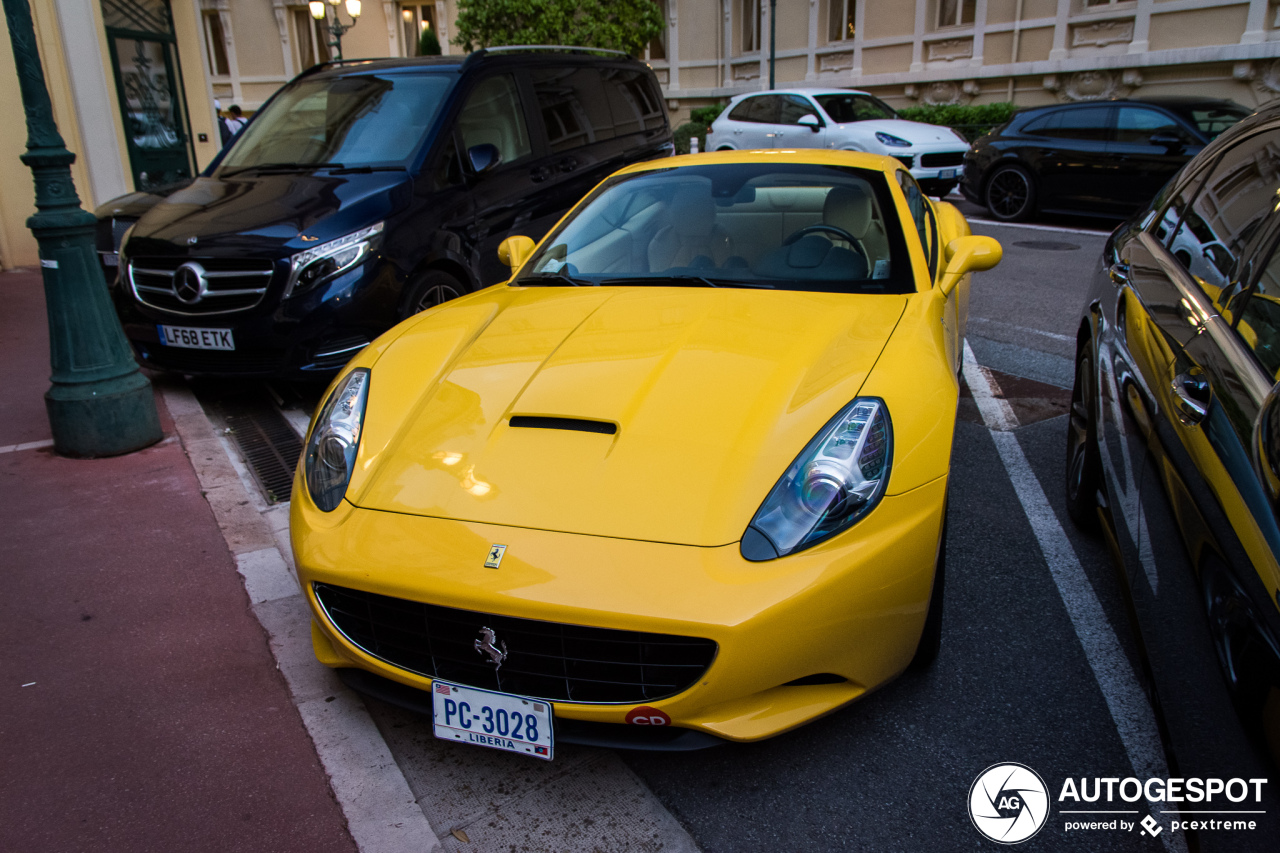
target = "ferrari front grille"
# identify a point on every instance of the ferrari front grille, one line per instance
(546, 660)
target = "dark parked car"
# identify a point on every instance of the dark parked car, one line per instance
(364, 192)
(1174, 447)
(1102, 158)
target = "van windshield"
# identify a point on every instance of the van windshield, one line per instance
(360, 120)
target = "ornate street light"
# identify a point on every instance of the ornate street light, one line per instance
(336, 28)
(99, 404)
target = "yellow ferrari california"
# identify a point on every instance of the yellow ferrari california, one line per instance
(682, 479)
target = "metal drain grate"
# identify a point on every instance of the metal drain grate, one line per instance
(269, 445)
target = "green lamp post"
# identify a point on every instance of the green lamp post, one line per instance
(99, 403)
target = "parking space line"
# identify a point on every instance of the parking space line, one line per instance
(1131, 712)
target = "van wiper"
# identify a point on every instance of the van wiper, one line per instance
(364, 170)
(552, 279)
(281, 167)
(686, 281)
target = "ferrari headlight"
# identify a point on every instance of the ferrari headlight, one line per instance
(892, 141)
(311, 267)
(331, 451)
(836, 480)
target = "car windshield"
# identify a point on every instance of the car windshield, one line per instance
(757, 225)
(845, 108)
(362, 120)
(1213, 118)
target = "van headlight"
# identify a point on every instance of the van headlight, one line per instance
(321, 263)
(835, 481)
(330, 456)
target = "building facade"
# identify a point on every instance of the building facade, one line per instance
(134, 82)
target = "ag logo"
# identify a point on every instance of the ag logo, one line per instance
(1008, 803)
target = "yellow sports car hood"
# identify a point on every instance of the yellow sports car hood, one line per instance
(658, 414)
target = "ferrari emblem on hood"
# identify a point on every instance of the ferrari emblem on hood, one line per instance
(495, 556)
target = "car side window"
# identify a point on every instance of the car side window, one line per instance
(1084, 123)
(794, 108)
(1138, 124)
(492, 115)
(922, 216)
(633, 101)
(761, 108)
(1225, 214)
(574, 108)
(1259, 321)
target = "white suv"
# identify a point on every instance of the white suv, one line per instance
(841, 119)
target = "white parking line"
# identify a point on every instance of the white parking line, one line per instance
(30, 445)
(1134, 720)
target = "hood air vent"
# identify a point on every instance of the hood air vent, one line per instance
(575, 424)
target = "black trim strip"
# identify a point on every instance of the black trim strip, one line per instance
(576, 424)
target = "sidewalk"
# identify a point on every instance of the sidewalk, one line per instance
(140, 706)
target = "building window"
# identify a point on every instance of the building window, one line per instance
(216, 42)
(658, 47)
(313, 39)
(1089, 4)
(840, 20)
(751, 13)
(955, 13)
(416, 19)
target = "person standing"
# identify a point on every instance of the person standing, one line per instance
(236, 121)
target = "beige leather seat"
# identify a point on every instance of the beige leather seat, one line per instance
(852, 209)
(695, 240)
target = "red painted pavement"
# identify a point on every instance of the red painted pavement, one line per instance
(157, 720)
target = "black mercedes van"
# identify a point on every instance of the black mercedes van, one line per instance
(365, 191)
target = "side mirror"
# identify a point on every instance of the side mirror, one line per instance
(514, 251)
(966, 255)
(483, 157)
(811, 122)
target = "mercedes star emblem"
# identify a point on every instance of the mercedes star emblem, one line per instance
(189, 283)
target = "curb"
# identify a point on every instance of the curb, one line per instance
(381, 811)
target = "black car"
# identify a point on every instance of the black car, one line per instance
(1174, 449)
(1102, 158)
(366, 191)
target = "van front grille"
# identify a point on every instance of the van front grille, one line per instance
(545, 660)
(199, 286)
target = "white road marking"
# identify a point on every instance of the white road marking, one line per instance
(1031, 227)
(1134, 720)
(1053, 335)
(30, 445)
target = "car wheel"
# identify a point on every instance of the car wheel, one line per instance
(931, 636)
(1011, 194)
(1084, 465)
(1249, 665)
(428, 290)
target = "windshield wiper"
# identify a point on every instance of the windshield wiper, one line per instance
(686, 281)
(281, 167)
(364, 170)
(552, 279)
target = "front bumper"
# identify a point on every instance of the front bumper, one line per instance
(844, 616)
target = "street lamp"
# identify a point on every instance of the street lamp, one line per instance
(99, 404)
(335, 26)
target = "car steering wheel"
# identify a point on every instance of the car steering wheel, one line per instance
(822, 227)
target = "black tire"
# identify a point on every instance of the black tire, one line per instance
(1083, 463)
(1249, 666)
(428, 290)
(931, 636)
(1010, 194)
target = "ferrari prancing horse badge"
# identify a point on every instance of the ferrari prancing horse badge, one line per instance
(495, 556)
